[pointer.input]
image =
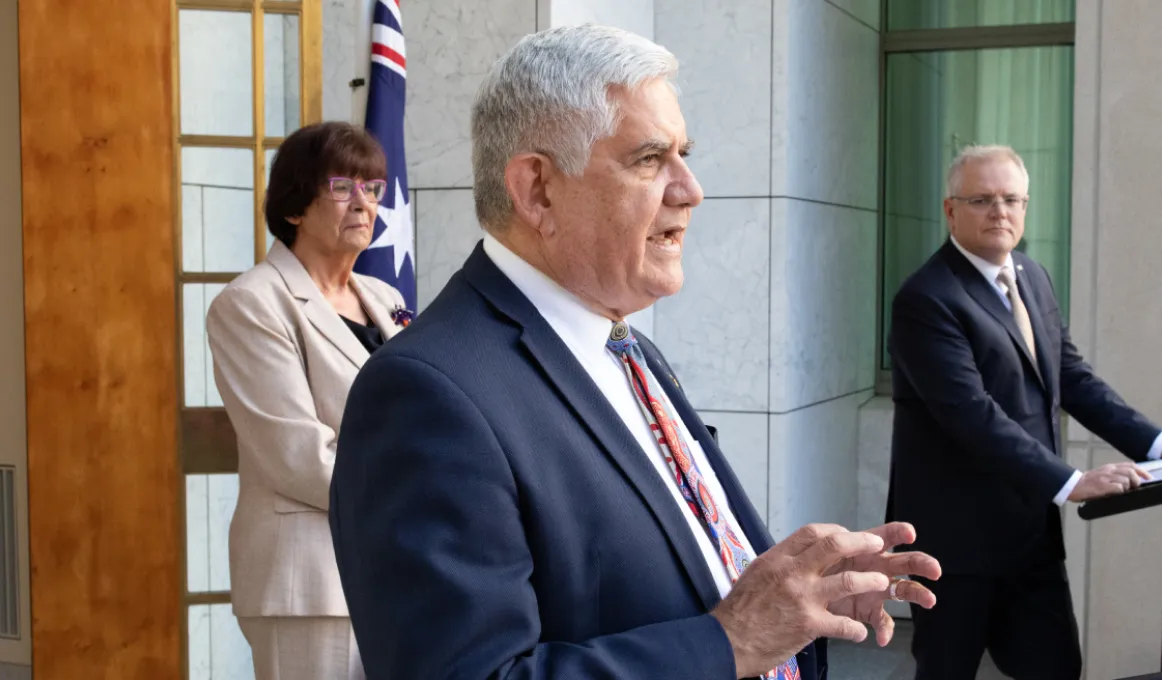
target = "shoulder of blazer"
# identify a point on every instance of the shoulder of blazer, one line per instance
(932, 280)
(262, 279)
(260, 285)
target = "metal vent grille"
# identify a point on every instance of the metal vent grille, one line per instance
(9, 556)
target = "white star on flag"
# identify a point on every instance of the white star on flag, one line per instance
(398, 229)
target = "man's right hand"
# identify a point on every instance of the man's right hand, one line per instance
(1108, 480)
(779, 604)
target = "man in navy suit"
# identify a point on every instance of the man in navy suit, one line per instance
(982, 364)
(521, 489)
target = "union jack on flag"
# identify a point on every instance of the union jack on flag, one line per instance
(391, 255)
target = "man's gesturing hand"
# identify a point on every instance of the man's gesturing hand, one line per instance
(780, 603)
(869, 607)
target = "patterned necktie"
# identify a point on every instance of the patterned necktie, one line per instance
(1020, 313)
(689, 479)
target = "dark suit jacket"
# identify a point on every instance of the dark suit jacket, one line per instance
(493, 518)
(976, 459)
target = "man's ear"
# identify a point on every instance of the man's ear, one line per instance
(297, 220)
(948, 207)
(526, 178)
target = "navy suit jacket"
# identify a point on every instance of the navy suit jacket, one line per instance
(976, 458)
(493, 518)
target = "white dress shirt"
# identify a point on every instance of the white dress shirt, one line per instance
(584, 333)
(990, 272)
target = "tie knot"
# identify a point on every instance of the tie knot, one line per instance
(1006, 278)
(620, 338)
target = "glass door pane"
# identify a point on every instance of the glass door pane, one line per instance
(217, 649)
(281, 56)
(217, 209)
(215, 72)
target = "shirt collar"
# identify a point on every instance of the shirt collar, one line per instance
(987, 269)
(580, 327)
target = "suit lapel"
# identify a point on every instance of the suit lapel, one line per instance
(378, 308)
(594, 411)
(1045, 354)
(989, 298)
(315, 307)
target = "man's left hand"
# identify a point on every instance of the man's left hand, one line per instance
(869, 607)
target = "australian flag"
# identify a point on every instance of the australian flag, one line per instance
(391, 255)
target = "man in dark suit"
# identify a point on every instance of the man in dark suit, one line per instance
(521, 488)
(981, 366)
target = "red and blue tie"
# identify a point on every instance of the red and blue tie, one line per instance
(676, 451)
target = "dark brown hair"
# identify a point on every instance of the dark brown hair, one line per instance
(306, 159)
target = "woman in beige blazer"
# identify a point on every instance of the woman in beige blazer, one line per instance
(288, 338)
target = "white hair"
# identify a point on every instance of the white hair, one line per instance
(550, 94)
(980, 152)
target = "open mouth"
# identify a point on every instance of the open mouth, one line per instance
(670, 238)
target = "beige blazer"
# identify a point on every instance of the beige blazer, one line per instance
(284, 361)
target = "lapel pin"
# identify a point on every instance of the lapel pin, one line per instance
(1020, 267)
(402, 316)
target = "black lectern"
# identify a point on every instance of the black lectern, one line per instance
(1145, 496)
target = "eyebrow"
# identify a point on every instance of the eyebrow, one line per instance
(656, 145)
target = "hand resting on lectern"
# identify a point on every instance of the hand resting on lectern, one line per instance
(1109, 480)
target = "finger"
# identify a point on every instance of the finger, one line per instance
(839, 546)
(1133, 469)
(1138, 475)
(911, 591)
(832, 626)
(848, 583)
(1108, 486)
(912, 564)
(805, 537)
(885, 628)
(1128, 473)
(894, 534)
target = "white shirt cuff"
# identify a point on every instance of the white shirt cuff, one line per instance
(1063, 494)
(1156, 449)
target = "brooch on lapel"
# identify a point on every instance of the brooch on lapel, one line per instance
(402, 317)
